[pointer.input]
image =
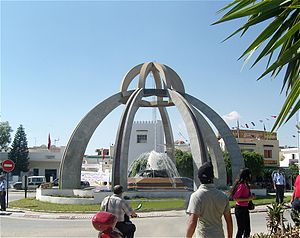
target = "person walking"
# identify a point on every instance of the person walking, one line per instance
(118, 206)
(3, 193)
(206, 207)
(279, 184)
(241, 193)
(295, 201)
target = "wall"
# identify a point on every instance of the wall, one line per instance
(135, 149)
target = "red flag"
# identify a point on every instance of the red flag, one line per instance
(49, 142)
(274, 116)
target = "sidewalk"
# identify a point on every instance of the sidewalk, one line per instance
(12, 212)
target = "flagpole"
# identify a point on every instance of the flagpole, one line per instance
(238, 129)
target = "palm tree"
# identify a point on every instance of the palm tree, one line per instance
(279, 42)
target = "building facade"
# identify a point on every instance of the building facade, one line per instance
(43, 162)
(261, 142)
(145, 137)
(288, 156)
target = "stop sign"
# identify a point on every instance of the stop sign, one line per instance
(8, 165)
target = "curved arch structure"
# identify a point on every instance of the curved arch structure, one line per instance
(169, 91)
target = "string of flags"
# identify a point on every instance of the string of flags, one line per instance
(253, 124)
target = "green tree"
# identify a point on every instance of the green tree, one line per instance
(19, 152)
(228, 166)
(184, 163)
(137, 166)
(279, 42)
(5, 137)
(255, 162)
(294, 171)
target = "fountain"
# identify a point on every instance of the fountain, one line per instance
(153, 170)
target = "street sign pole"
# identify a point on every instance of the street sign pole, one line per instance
(6, 189)
(7, 166)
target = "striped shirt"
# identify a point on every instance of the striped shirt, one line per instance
(117, 206)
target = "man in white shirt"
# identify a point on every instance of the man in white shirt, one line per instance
(2, 192)
(279, 184)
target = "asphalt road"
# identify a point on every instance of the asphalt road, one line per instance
(11, 226)
(19, 194)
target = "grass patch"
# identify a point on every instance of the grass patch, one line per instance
(148, 204)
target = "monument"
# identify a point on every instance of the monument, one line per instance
(169, 91)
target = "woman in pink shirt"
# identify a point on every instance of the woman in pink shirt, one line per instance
(296, 202)
(240, 192)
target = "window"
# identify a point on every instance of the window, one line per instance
(268, 154)
(35, 172)
(141, 139)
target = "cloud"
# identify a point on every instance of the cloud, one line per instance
(232, 116)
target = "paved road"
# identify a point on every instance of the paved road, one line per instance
(170, 224)
(18, 194)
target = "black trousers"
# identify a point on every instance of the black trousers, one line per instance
(279, 193)
(127, 228)
(243, 221)
(3, 200)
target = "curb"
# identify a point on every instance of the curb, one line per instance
(88, 216)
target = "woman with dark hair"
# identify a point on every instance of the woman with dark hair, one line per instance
(240, 192)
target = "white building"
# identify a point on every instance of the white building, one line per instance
(42, 161)
(288, 156)
(145, 137)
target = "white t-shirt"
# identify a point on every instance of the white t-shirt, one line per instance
(209, 204)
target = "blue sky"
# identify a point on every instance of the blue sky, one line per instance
(59, 59)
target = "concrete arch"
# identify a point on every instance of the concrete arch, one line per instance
(131, 74)
(168, 84)
(70, 167)
(215, 151)
(237, 161)
(197, 144)
(123, 138)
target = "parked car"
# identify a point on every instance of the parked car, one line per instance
(17, 185)
(33, 182)
(83, 184)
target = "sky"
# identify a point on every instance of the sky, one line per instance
(59, 59)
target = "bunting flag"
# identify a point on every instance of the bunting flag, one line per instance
(264, 127)
(274, 116)
(261, 121)
(49, 142)
(247, 125)
(252, 123)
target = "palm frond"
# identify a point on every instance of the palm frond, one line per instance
(280, 40)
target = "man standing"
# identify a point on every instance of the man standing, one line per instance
(279, 184)
(207, 206)
(3, 193)
(116, 205)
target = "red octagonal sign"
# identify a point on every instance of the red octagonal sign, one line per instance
(8, 165)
